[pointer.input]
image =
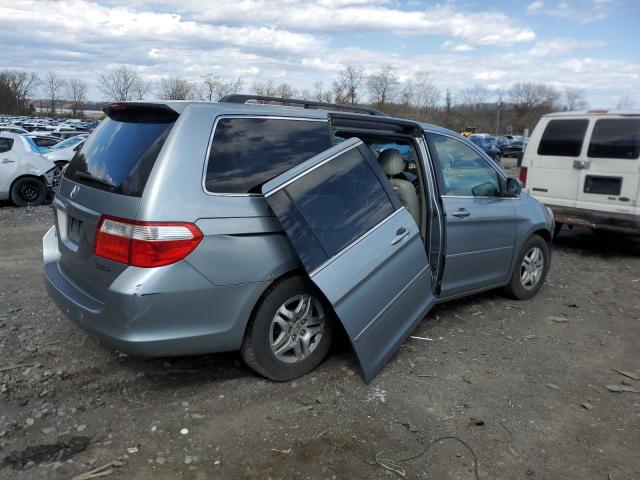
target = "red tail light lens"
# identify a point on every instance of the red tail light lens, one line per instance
(145, 244)
(523, 176)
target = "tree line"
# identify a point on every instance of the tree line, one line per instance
(415, 97)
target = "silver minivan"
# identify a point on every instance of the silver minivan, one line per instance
(187, 228)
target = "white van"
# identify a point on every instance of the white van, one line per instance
(585, 166)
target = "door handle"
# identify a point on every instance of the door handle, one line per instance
(581, 164)
(6, 160)
(461, 213)
(401, 234)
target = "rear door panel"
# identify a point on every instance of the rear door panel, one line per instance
(378, 283)
(554, 178)
(609, 183)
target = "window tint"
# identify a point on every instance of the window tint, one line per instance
(615, 138)
(341, 200)
(465, 172)
(247, 152)
(5, 144)
(120, 154)
(563, 138)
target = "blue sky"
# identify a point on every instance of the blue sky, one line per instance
(588, 44)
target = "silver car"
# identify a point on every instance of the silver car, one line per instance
(188, 228)
(25, 175)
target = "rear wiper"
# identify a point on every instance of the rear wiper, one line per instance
(91, 178)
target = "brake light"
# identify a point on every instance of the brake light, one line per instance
(145, 244)
(523, 176)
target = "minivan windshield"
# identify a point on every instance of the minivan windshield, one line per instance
(119, 155)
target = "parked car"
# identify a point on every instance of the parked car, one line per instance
(12, 129)
(62, 154)
(70, 142)
(585, 166)
(514, 149)
(43, 142)
(25, 175)
(266, 234)
(487, 144)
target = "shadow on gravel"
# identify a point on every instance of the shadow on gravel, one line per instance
(605, 244)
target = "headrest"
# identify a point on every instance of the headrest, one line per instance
(391, 162)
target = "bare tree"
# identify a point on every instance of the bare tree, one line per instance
(381, 85)
(22, 85)
(574, 98)
(77, 95)
(264, 89)
(425, 94)
(531, 99)
(347, 87)
(625, 103)
(53, 86)
(213, 88)
(320, 94)
(122, 84)
(175, 88)
(285, 90)
(141, 88)
(474, 97)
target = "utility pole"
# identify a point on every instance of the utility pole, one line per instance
(498, 117)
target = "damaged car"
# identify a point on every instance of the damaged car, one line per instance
(186, 228)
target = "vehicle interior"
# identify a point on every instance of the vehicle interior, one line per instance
(398, 158)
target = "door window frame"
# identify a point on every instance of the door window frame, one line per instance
(367, 157)
(248, 117)
(433, 152)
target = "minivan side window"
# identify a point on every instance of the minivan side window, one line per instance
(466, 173)
(247, 152)
(615, 138)
(6, 144)
(563, 138)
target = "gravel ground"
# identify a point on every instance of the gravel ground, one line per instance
(521, 383)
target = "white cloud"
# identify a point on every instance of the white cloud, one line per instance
(581, 11)
(535, 6)
(81, 39)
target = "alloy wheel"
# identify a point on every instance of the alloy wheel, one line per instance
(296, 328)
(532, 268)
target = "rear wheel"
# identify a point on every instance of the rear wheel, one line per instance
(28, 191)
(531, 269)
(290, 332)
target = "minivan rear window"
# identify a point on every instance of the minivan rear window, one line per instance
(615, 138)
(563, 138)
(247, 152)
(119, 155)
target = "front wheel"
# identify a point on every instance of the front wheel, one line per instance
(531, 269)
(290, 332)
(28, 191)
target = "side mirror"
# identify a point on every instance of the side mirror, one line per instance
(513, 187)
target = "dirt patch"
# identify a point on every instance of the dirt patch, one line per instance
(483, 378)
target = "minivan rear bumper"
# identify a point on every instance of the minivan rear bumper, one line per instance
(616, 222)
(166, 311)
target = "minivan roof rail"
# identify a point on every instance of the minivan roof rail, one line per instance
(242, 98)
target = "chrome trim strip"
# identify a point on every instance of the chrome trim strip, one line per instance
(478, 252)
(354, 243)
(209, 145)
(311, 169)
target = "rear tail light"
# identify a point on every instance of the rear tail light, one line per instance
(523, 176)
(145, 244)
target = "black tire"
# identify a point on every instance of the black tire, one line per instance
(256, 348)
(515, 288)
(28, 191)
